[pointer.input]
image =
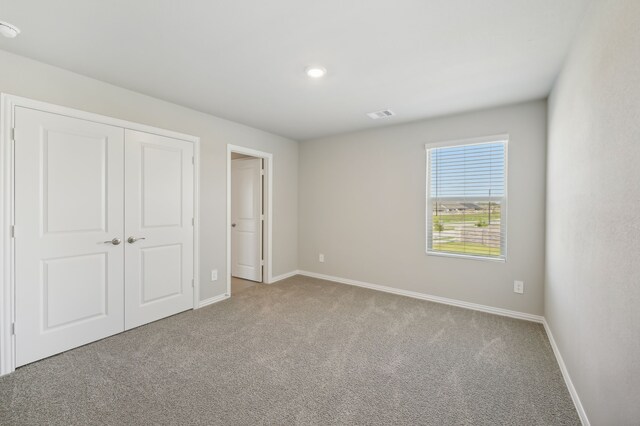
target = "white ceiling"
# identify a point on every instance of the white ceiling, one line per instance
(244, 59)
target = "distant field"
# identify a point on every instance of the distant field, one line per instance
(473, 217)
(467, 248)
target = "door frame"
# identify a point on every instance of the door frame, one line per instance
(8, 103)
(267, 196)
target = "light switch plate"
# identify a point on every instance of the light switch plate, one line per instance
(214, 275)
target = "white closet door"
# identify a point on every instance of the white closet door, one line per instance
(68, 208)
(158, 227)
(246, 218)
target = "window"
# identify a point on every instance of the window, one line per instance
(467, 198)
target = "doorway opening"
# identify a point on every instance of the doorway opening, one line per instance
(249, 214)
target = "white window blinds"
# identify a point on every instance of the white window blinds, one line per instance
(467, 198)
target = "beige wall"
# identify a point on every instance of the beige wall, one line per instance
(592, 290)
(23, 77)
(362, 204)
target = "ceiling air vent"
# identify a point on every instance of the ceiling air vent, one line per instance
(381, 114)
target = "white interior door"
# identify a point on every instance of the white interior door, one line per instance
(158, 227)
(246, 218)
(68, 209)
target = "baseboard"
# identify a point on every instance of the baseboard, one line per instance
(423, 296)
(565, 375)
(284, 276)
(212, 300)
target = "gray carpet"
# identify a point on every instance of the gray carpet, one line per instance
(303, 351)
(238, 285)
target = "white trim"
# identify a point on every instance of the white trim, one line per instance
(13, 100)
(565, 374)
(283, 276)
(196, 223)
(7, 353)
(268, 157)
(466, 256)
(437, 299)
(504, 219)
(469, 141)
(212, 300)
(8, 103)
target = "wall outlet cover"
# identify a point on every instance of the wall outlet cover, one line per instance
(321, 258)
(518, 287)
(214, 275)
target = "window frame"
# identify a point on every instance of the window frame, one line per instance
(503, 206)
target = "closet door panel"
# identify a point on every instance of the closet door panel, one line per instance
(68, 210)
(159, 186)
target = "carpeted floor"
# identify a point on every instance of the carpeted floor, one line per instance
(238, 285)
(303, 351)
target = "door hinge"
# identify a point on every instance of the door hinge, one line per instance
(193, 160)
(13, 134)
(262, 262)
(13, 231)
(261, 217)
(262, 172)
(13, 328)
(193, 221)
(193, 282)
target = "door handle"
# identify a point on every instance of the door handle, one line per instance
(115, 241)
(132, 240)
(233, 225)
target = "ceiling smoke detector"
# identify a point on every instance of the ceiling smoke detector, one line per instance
(8, 30)
(385, 113)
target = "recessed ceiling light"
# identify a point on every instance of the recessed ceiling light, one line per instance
(8, 30)
(316, 72)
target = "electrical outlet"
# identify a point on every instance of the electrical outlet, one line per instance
(518, 287)
(321, 258)
(214, 275)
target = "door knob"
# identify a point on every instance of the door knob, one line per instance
(115, 241)
(233, 225)
(132, 240)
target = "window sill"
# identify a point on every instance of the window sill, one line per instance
(466, 256)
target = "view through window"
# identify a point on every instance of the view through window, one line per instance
(466, 198)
